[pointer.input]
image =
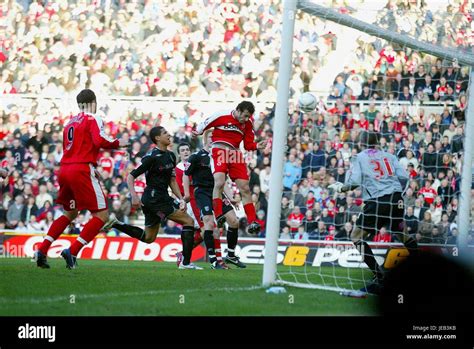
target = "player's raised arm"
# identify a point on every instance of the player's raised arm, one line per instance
(208, 123)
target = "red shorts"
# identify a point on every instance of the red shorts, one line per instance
(79, 188)
(229, 161)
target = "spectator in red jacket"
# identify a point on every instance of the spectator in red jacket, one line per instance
(383, 236)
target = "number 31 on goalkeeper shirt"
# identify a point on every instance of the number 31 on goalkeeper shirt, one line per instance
(382, 168)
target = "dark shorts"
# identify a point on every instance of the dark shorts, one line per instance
(157, 207)
(204, 202)
(387, 210)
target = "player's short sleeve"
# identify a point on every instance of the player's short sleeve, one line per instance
(191, 165)
(210, 121)
(354, 175)
(146, 165)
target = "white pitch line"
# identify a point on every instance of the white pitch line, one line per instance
(40, 300)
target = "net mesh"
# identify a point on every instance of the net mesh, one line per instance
(415, 103)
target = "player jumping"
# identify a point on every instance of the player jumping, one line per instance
(79, 187)
(203, 181)
(382, 180)
(230, 129)
(159, 168)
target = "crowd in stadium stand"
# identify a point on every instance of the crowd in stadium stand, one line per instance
(152, 48)
(207, 48)
(138, 53)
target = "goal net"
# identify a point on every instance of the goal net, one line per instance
(397, 69)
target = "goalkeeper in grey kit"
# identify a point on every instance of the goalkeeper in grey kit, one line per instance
(382, 180)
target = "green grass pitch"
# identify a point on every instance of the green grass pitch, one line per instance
(131, 288)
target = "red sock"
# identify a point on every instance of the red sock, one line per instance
(217, 206)
(197, 238)
(250, 212)
(217, 249)
(56, 229)
(90, 230)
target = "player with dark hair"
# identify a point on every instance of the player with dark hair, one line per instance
(79, 187)
(203, 181)
(230, 129)
(382, 180)
(159, 168)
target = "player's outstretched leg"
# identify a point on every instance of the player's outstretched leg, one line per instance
(131, 230)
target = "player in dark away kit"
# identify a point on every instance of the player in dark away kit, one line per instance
(159, 168)
(199, 168)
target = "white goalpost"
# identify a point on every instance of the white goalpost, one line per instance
(307, 274)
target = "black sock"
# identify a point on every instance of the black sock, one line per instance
(187, 237)
(368, 256)
(209, 241)
(232, 237)
(133, 231)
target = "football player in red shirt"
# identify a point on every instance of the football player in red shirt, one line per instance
(230, 129)
(79, 187)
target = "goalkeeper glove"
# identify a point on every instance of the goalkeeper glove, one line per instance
(337, 187)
